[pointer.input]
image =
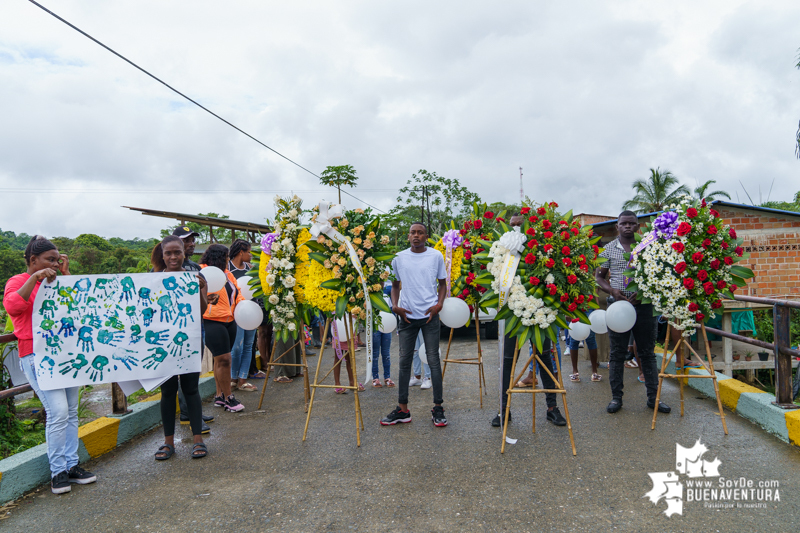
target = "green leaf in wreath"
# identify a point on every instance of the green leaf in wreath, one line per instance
(314, 245)
(378, 302)
(538, 337)
(341, 306)
(742, 272)
(319, 257)
(333, 284)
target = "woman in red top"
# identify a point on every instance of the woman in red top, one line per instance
(61, 405)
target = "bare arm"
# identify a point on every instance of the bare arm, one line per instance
(601, 281)
(442, 293)
(395, 301)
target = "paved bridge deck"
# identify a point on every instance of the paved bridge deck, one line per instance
(259, 476)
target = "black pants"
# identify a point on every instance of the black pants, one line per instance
(189, 385)
(408, 332)
(644, 333)
(508, 360)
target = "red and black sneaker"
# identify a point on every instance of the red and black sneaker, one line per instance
(437, 415)
(398, 416)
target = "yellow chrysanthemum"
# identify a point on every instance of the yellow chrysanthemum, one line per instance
(262, 273)
(455, 267)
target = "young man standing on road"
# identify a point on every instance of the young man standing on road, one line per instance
(421, 274)
(646, 326)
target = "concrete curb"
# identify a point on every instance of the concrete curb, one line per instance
(27, 470)
(748, 402)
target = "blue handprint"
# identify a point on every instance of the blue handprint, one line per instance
(105, 285)
(144, 296)
(81, 289)
(128, 289)
(47, 365)
(156, 358)
(127, 360)
(48, 309)
(177, 344)
(47, 328)
(165, 303)
(155, 337)
(67, 326)
(184, 311)
(75, 364)
(171, 284)
(85, 339)
(99, 363)
(136, 333)
(147, 315)
(192, 288)
(110, 338)
(54, 344)
(130, 312)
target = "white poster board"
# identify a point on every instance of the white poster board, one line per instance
(116, 327)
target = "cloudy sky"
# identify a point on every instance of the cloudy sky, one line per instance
(585, 96)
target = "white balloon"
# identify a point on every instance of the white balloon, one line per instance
(248, 315)
(620, 316)
(215, 278)
(388, 322)
(423, 355)
(579, 331)
(598, 320)
(342, 330)
(454, 313)
(246, 290)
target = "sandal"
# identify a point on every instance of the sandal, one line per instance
(388, 382)
(640, 379)
(340, 391)
(165, 451)
(199, 450)
(376, 383)
(282, 379)
(258, 375)
(596, 377)
(234, 385)
(248, 387)
(360, 387)
(631, 364)
(575, 378)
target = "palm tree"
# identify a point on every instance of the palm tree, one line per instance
(656, 192)
(336, 176)
(700, 192)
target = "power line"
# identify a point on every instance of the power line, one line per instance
(171, 191)
(173, 89)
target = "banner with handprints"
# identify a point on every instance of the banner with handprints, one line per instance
(116, 327)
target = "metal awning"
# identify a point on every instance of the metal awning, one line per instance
(252, 229)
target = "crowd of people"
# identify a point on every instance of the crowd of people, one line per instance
(417, 293)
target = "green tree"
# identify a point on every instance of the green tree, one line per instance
(440, 199)
(660, 189)
(785, 206)
(12, 262)
(701, 191)
(203, 230)
(338, 176)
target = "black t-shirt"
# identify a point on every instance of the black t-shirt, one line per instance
(239, 272)
(190, 266)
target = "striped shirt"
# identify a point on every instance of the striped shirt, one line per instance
(617, 264)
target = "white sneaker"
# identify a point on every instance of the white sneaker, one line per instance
(426, 383)
(566, 352)
(414, 381)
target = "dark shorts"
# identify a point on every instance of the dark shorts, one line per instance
(220, 336)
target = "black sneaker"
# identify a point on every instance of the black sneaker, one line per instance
(60, 483)
(662, 407)
(233, 405)
(185, 421)
(80, 476)
(556, 418)
(497, 421)
(615, 405)
(219, 401)
(397, 416)
(437, 415)
(208, 419)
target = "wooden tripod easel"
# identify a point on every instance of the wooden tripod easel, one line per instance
(469, 360)
(709, 367)
(350, 324)
(273, 361)
(512, 390)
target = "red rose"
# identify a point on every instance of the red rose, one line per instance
(501, 219)
(697, 258)
(465, 292)
(530, 259)
(596, 248)
(532, 243)
(728, 260)
(580, 299)
(721, 284)
(706, 243)
(724, 245)
(584, 267)
(732, 233)
(467, 225)
(702, 275)
(708, 287)
(467, 254)
(680, 268)
(534, 280)
(483, 267)
(581, 258)
(488, 215)
(712, 230)
(693, 307)
(716, 305)
(463, 232)
(572, 279)
(715, 264)
(550, 263)
(739, 251)
(565, 250)
(548, 234)
(678, 247)
(591, 232)
(572, 307)
(688, 283)
(691, 212)
(684, 228)
(470, 278)
(567, 261)
(548, 248)
(563, 222)
(733, 287)
(525, 210)
(546, 224)
(467, 244)
(533, 219)
(714, 213)
(478, 224)
(553, 204)
(564, 298)
(575, 231)
(703, 202)
(699, 317)
(478, 250)
(590, 297)
(542, 211)
(481, 289)
(552, 289)
(530, 231)
(565, 235)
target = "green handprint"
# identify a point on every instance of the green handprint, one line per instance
(54, 344)
(47, 364)
(73, 364)
(130, 312)
(165, 303)
(171, 284)
(114, 322)
(85, 338)
(155, 337)
(110, 338)
(48, 309)
(147, 315)
(47, 328)
(136, 333)
(192, 288)
(127, 289)
(104, 284)
(156, 358)
(82, 287)
(184, 311)
(98, 364)
(176, 346)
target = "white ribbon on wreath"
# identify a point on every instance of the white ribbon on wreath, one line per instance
(514, 242)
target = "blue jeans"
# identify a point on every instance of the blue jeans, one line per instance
(242, 352)
(417, 362)
(381, 343)
(61, 432)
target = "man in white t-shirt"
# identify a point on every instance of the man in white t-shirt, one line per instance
(420, 273)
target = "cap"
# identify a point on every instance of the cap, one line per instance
(184, 232)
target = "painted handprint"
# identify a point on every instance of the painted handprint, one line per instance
(81, 290)
(47, 364)
(156, 358)
(155, 337)
(48, 309)
(114, 322)
(130, 312)
(165, 303)
(144, 296)
(147, 315)
(171, 284)
(67, 326)
(54, 344)
(47, 328)
(65, 297)
(192, 288)
(128, 289)
(126, 359)
(136, 333)
(184, 315)
(105, 285)
(85, 339)
(178, 343)
(75, 364)
(99, 364)
(111, 338)
(92, 317)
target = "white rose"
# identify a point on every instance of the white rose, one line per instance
(273, 299)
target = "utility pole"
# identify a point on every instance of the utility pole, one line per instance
(521, 192)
